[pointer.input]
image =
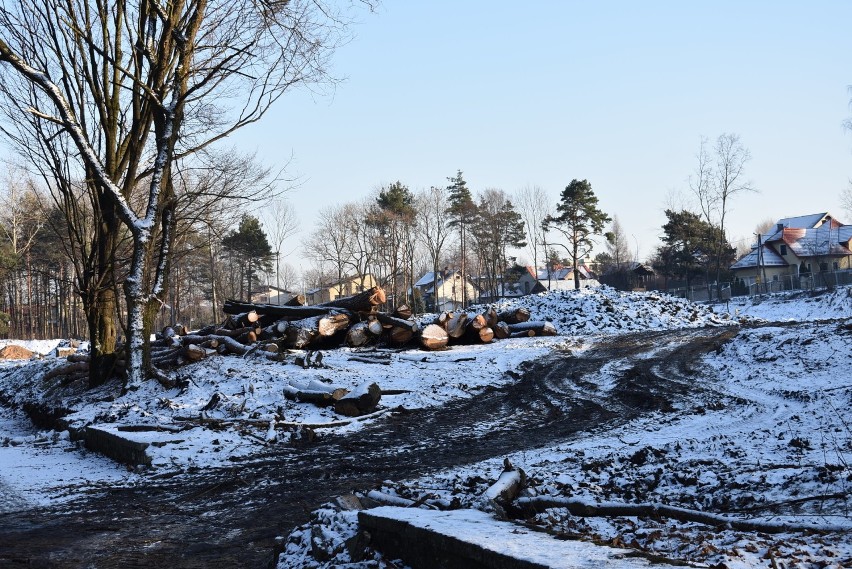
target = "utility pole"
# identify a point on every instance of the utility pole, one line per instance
(760, 266)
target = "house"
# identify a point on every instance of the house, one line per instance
(527, 280)
(519, 281)
(272, 295)
(562, 278)
(446, 292)
(794, 247)
(344, 287)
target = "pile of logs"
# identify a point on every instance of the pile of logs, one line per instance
(354, 321)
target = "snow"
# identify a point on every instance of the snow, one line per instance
(775, 430)
(43, 347)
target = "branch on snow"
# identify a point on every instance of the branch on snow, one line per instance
(602, 509)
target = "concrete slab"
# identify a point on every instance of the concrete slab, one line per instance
(471, 539)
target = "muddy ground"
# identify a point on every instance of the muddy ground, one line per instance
(230, 517)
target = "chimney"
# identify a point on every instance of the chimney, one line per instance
(779, 227)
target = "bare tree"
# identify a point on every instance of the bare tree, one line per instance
(328, 244)
(433, 220)
(124, 89)
(731, 159)
(846, 199)
(534, 206)
(21, 220)
(703, 183)
(718, 179)
(283, 224)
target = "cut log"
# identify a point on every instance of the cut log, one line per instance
(443, 318)
(364, 301)
(337, 391)
(400, 336)
(394, 322)
(362, 400)
(74, 358)
(194, 352)
(514, 315)
(274, 330)
(303, 333)
(434, 337)
(359, 334)
(403, 311)
(247, 338)
(277, 311)
(508, 486)
(456, 325)
(234, 333)
(300, 336)
(477, 322)
(226, 343)
(331, 324)
(374, 325)
(297, 300)
(67, 369)
(475, 335)
(501, 330)
(523, 334)
(491, 318)
(320, 398)
(537, 328)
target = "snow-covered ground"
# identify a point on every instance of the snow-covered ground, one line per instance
(779, 449)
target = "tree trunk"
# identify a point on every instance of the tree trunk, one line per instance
(533, 329)
(362, 400)
(100, 318)
(514, 316)
(434, 337)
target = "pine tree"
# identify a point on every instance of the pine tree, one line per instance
(249, 245)
(497, 227)
(394, 219)
(579, 219)
(462, 212)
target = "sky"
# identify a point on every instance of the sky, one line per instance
(543, 92)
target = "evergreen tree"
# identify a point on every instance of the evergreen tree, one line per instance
(689, 246)
(497, 227)
(462, 212)
(394, 217)
(579, 219)
(251, 250)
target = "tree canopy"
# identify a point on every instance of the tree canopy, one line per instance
(578, 220)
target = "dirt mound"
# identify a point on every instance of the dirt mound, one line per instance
(13, 352)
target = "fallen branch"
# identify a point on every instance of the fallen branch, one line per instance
(606, 509)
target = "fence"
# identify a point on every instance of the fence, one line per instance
(811, 281)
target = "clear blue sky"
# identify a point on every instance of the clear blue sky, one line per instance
(540, 92)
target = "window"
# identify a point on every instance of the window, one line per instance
(783, 250)
(836, 266)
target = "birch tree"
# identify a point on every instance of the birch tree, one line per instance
(533, 205)
(103, 97)
(719, 178)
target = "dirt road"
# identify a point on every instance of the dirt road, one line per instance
(230, 517)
